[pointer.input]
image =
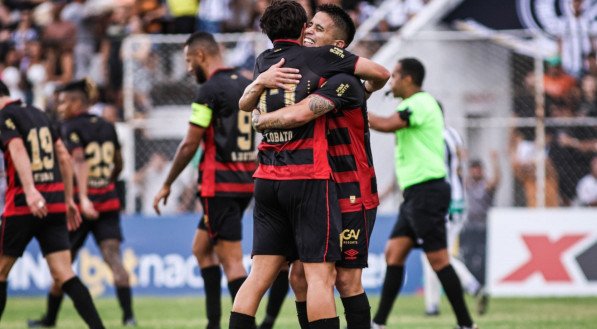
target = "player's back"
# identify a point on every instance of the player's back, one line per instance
(34, 127)
(228, 162)
(299, 153)
(99, 142)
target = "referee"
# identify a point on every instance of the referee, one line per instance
(419, 159)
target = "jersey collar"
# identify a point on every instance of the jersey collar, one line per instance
(16, 102)
(218, 70)
(287, 41)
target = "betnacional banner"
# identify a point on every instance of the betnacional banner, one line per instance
(157, 254)
(542, 252)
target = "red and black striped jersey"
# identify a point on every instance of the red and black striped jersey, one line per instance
(229, 160)
(99, 141)
(299, 153)
(349, 143)
(35, 129)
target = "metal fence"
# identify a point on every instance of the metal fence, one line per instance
(498, 94)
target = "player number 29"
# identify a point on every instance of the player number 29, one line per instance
(100, 158)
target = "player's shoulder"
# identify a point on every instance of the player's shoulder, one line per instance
(327, 50)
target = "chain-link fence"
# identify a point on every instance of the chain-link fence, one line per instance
(497, 93)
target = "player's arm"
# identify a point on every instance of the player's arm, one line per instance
(293, 116)
(389, 124)
(22, 163)
(73, 218)
(118, 165)
(493, 183)
(200, 119)
(80, 167)
(375, 75)
(275, 77)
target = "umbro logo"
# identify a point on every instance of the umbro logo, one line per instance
(351, 253)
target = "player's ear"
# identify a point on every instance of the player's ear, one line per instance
(340, 44)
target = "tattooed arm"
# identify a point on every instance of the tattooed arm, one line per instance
(293, 116)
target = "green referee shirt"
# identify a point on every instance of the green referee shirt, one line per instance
(419, 154)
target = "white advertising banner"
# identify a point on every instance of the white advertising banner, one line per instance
(550, 252)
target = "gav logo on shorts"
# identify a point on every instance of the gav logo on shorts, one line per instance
(349, 236)
(543, 16)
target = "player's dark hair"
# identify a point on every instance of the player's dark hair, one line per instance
(85, 89)
(4, 89)
(204, 40)
(413, 68)
(342, 20)
(283, 19)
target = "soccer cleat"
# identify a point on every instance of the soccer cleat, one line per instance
(377, 326)
(129, 322)
(41, 323)
(474, 326)
(482, 301)
(434, 312)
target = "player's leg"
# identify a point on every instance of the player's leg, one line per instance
(108, 236)
(431, 288)
(396, 252)
(277, 295)
(15, 234)
(225, 229)
(54, 243)
(6, 263)
(321, 306)
(264, 270)
(357, 228)
(298, 283)
(55, 296)
(212, 276)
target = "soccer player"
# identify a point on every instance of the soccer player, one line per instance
(39, 200)
(421, 172)
(454, 149)
(296, 213)
(226, 168)
(97, 161)
(351, 162)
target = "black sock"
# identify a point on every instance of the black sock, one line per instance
(54, 302)
(212, 276)
(126, 301)
(234, 286)
(331, 323)
(357, 311)
(451, 284)
(391, 288)
(81, 298)
(241, 321)
(301, 313)
(277, 294)
(3, 288)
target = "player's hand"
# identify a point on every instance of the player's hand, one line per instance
(73, 217)
(255, 119)
(36, 203)
(164, 193)
(87, 208)
(280, 77)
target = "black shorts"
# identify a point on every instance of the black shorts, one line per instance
(299, 219)
(17, 231)
(356, 231)
(106, 227)
(422, 215)
(222, 217)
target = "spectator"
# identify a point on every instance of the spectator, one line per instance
(183, 15)
(480, 194)
(33, 65)
(558, 85)
(212, 14)
(26, 31)
(586, 190)
(588, 96)
(59, 41)
(574, 36)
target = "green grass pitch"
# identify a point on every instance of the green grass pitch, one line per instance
(188, 312)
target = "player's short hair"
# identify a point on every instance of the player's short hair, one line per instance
(413, 68)
(283, 19)
(342, 20)
(204, 40)
(84, 88)
(4, 89)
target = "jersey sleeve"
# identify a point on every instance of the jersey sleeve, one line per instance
(8, 128)
(343, 90)
(203, 107)
(416, 112)
(328, 61)
(71, 137)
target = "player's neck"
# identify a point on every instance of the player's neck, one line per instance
(4, 100)
(214, 65)
(411, 92)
